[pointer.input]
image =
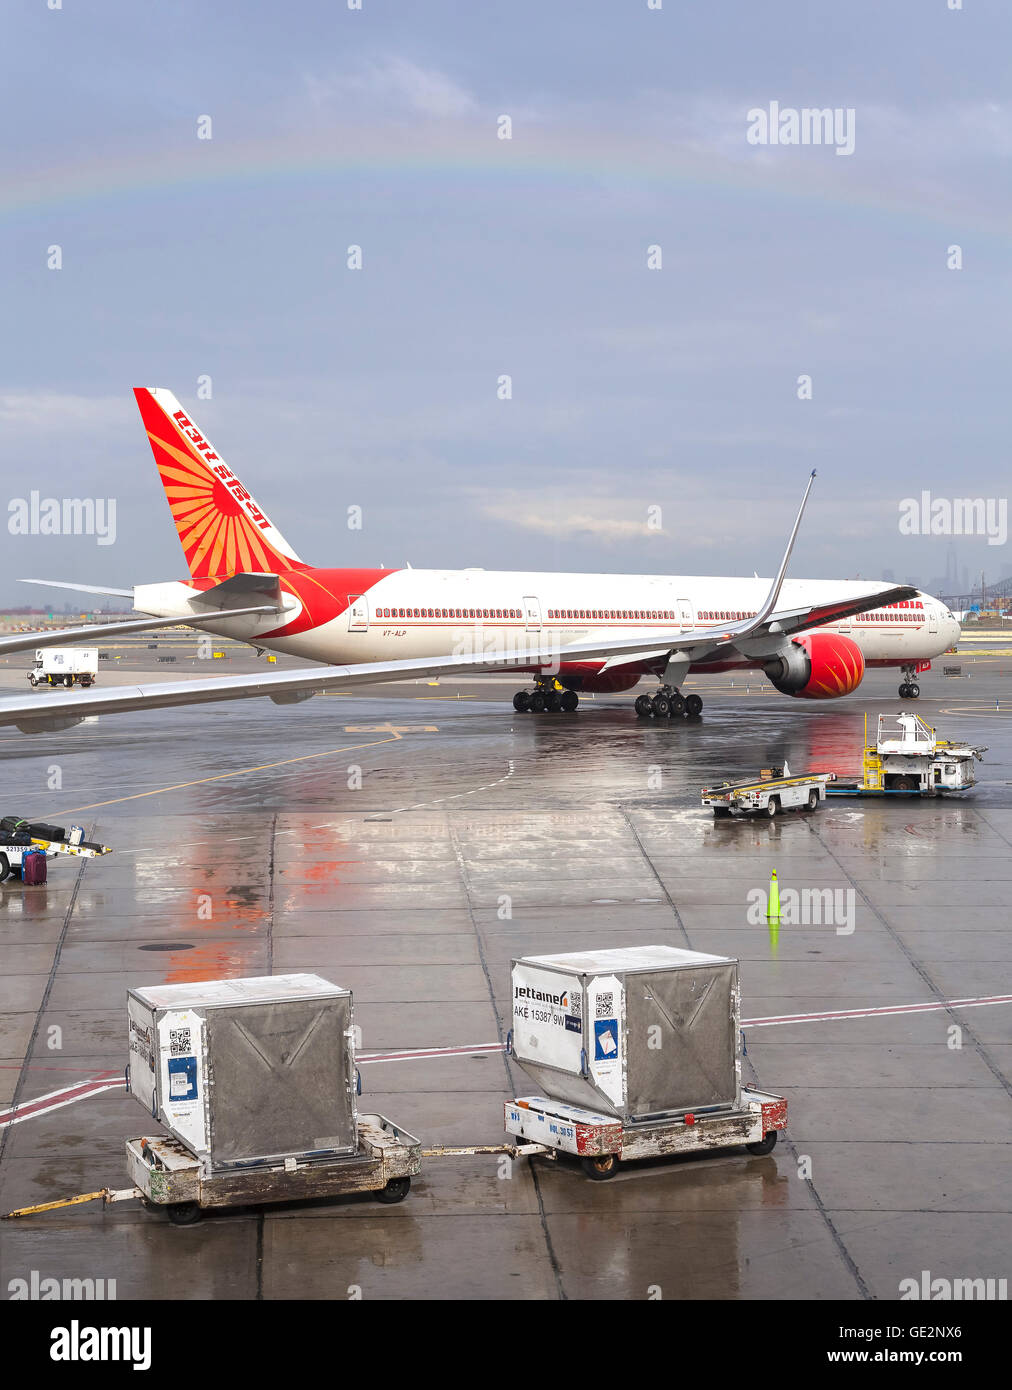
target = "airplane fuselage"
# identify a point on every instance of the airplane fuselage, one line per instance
(345, 616)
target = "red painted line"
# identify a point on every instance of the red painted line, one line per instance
(69, 1094)
(430, 1052)
(53, 1100)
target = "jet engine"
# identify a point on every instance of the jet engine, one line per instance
(817, 666)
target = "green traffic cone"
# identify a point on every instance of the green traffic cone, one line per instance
(773, 912)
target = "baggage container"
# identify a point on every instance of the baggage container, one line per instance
(634, 1032)
(244, 1072)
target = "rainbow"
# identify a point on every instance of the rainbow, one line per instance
(467, 158)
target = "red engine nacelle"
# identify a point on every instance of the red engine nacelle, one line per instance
(818, 666)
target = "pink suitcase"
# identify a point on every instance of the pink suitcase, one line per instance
(33, 867)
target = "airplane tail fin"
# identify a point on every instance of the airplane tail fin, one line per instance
(221, 528)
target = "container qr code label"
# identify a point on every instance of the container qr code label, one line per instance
(179, 1041)
(576, 1004)
(605, 1005)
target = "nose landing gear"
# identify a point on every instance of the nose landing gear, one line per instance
(668, 703)
(548, 695)
(909, 690)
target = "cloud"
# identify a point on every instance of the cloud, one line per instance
(559, 521)
(395, 84)
(54, 411)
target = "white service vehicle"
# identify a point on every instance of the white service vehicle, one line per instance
(909, 757)
(775, 789)
(65, 666)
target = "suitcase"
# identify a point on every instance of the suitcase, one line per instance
(33, 867)
(40, 829)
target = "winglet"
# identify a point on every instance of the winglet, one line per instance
(770, 602)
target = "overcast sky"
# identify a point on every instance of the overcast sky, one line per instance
(632, 388)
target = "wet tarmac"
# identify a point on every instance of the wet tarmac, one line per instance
(407, 842)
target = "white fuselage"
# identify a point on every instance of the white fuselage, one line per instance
(422, 613)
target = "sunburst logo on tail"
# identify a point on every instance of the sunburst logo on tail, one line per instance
(221, 527)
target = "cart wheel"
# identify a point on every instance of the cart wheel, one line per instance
(395, 1191)
(184, 1213)
(772, 807)
(813, 801)
(766, 1144)
(5, 867)
(722, 812)
(600, 1169)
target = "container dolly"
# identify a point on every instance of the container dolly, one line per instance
(602, 1142)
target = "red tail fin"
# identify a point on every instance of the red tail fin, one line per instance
(221, 528)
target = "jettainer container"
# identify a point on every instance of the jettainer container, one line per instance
(246, 1071)
(634, 1032)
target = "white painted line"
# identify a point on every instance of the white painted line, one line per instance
(885, 1011)
(365, 1058)
(456, 795)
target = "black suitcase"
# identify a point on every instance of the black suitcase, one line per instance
(41, 831)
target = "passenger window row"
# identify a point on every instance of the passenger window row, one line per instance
(604, 614)
(448, 613)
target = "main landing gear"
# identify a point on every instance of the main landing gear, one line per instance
(668, 703)
(909, 690)
(547, 695)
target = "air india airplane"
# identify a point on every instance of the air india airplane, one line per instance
(569, 633)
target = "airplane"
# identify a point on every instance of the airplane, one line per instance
(571, 633)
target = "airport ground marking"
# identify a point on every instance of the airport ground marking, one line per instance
(455, 796)
(66, 1095)
(111, 1081)
(224, 776)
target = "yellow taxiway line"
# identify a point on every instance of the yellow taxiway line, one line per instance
(224, 776)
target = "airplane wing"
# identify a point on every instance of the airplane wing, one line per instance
(54, 712)
(58, 637)
(47, 713)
